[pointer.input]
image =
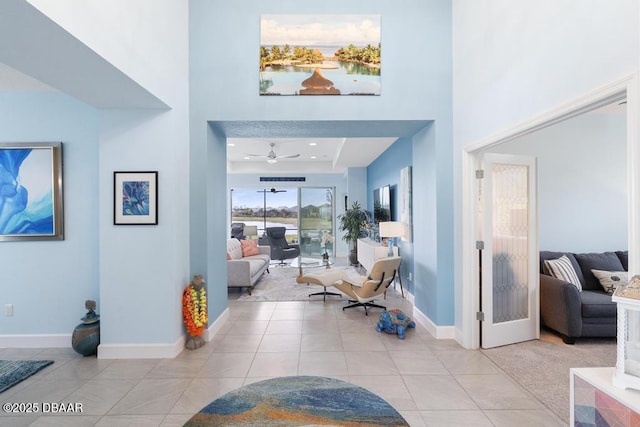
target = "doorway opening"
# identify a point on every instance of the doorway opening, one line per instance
(624, 89)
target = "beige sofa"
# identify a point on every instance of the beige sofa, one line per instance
(244, 272)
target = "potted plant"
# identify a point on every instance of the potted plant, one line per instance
(354, 222)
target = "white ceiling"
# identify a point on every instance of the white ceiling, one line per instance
(317, 155)
(12, 80)
(42, 49)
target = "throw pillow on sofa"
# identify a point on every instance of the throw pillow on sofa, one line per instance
(610, 280)
(562, 269)
(249, 247)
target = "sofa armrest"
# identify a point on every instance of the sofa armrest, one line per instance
(560, 306)
(265, 250)
(238, 273)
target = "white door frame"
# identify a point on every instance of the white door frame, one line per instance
(626, 87)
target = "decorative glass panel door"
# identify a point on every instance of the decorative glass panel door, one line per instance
(510, 256)
(316, 221)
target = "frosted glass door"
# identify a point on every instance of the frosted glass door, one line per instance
(510, 294)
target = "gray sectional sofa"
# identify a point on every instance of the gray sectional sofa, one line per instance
(245, 271)
(573, 313)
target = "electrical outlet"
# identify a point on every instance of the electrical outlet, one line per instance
(8, 310)
(410, 276)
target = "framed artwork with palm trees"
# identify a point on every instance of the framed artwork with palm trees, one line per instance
(320, 55)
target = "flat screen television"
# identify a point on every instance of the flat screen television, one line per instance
(382, 205)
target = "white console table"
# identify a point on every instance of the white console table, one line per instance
(369, 251)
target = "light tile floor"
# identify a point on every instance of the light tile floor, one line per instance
(431, 382)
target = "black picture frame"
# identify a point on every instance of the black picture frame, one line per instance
(135, 198)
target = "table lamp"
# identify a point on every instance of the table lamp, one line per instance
(250, 231)
(390, 230)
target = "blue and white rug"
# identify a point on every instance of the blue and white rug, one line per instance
(298, 401)
(14, 371)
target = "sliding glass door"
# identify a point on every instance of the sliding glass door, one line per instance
(307, 213)
(316, 221)
(266, 207)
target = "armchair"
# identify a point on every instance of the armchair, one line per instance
(237, 230)
(363, 290)
(280, 248)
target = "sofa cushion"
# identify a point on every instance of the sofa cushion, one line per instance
(234, 248)
(624, 259)
(264, 258)
(255, 265)
(609, 280)
(546, 255)
(597, 304)
(562, 269)
(249, 247)
(607, 261)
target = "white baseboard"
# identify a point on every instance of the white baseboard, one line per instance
(36, 341)
(439, 332)
(460, 338)
(141, 351)
(157, 351)
(409, 297)
(215, 327)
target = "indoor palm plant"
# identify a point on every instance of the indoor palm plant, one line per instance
(354, 222)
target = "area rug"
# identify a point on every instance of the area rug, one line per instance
(280, 285)
(298, 401)
(542, 366)
(14, 371)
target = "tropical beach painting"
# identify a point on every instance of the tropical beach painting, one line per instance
(320, 55)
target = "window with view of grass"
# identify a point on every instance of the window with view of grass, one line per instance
(306, 213)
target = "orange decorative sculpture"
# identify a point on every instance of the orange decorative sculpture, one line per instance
(194, 310)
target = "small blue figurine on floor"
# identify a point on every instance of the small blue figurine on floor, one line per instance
(394, 321)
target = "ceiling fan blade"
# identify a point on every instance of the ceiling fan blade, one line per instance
(290, 156)
(256, 155)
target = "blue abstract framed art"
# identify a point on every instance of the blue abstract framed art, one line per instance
(31, 191)
(135, 196)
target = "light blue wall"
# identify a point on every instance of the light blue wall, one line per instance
(144, 268)
(385, 170)
(582, 182)
(216, 199)
(357, 187)
(416, 85)
(49, 281)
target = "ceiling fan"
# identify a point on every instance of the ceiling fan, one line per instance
(272, 157)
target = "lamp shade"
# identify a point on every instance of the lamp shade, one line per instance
(391, 229)
(250, 230)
